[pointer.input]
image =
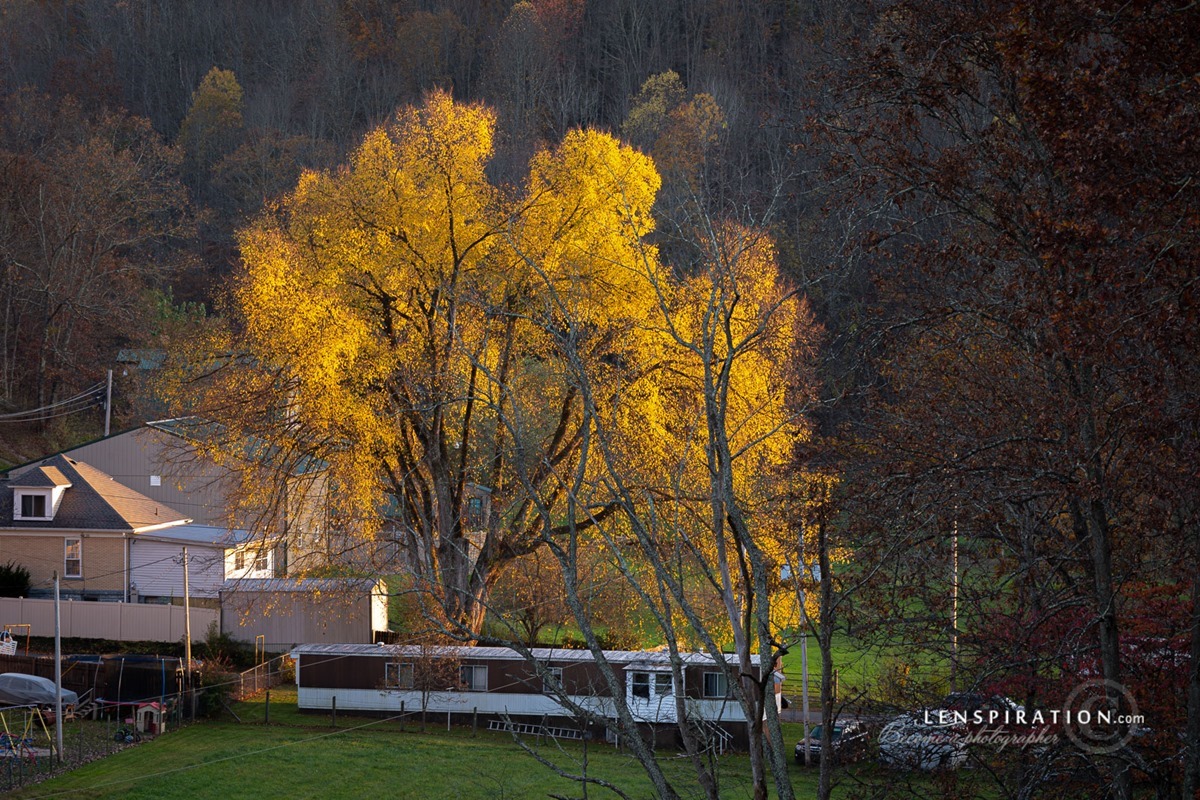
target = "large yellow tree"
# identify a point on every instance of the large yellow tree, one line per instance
(481, 371)
(383, 332)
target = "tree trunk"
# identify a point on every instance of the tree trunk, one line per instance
(825, 643)
(1191, 766)
(1095, 522)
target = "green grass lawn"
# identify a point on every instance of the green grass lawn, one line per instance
(302, 756)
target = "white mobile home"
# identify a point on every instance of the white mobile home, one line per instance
(500, 686)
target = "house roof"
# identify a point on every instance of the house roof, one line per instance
(638, 659)
(315, 585)
(41, 478)
(191, 430)
(202, 535)
(142, 358)
(93, 501)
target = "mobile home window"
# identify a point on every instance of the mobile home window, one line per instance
(641, 685)
(239, 559)
(73, 558)
(557, 674)
(716, 684)
(662, 684)
(473, 677)
(399, 676)
(260, 561)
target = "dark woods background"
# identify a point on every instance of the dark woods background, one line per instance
(992, 208)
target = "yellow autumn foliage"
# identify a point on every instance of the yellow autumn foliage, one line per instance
(417, 331)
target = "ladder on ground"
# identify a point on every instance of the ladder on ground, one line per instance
(529, 729)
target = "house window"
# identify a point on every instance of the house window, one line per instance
(553, 680)
(473, 677)
(33, 506)
(474, 513)
(662, 684)
(399, 676)
(716, 684)
(641, 685)
(239, 559)
(260, 561)
(72, 558)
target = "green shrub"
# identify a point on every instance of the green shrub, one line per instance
(14, 580)
(223, 649)
(214, 683)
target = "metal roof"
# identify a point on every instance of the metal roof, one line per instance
(202, 534)
(316, 585)
(651, 659)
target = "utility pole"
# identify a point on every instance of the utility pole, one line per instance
(187, 625)
(108, 405)
(58, 730)
(954, 607)
(804, 695)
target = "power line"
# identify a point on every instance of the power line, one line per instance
(88, 398)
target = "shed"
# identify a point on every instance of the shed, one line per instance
(288, 612)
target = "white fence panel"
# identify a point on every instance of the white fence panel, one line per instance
(116, 621)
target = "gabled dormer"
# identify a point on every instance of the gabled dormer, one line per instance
(38, 493)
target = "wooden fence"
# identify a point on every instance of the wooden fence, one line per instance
(79, 677)
(120, 622)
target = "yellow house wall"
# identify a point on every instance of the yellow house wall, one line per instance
(103, 559)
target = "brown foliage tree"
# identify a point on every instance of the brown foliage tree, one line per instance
(1043, 308)
(92, 210)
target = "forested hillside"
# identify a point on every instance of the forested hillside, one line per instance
(216, 107)
(873, 320)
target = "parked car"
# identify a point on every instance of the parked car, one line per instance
(912, 742)
(848, 742)
(981, 710)
(19, 689)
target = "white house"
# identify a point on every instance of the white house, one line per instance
(215, 555)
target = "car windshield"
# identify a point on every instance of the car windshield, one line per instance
(815, 733)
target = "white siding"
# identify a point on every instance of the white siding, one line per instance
(250, 557)
(442, 702)
(156, 568)
(659, 704)
(320, 699)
